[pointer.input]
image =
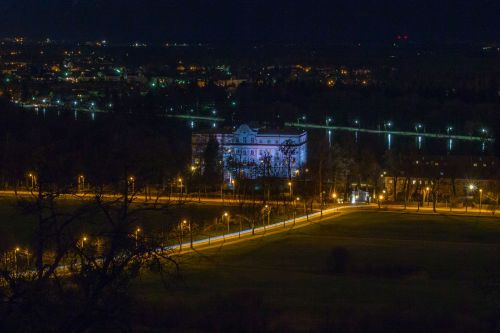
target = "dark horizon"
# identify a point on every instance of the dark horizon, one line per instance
(246, 22)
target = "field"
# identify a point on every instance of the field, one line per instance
(359, 272)
(17, 228)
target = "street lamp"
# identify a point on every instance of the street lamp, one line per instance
(295, 209)
(233, 182)
(81, 183)
(449, 129)
(471, 188)
(33, 180)
(290, 188)
(480, 199)
(181, 227)
(136, 234)
(132, 183)
(380, 198)
(226, 215)
(180, 184)
(84, 239)
(427, 189)
(268, 210)
(15, 256)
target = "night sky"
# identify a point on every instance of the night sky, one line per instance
(253, 21)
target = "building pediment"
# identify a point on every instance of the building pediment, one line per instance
(245, 130)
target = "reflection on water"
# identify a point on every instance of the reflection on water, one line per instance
(391, 141)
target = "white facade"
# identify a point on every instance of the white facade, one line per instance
(253, 152)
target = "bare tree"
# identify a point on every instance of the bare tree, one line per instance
(85, 257)
(288, 150)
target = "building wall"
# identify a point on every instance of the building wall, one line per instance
(247, 148)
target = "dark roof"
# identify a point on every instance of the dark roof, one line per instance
(261, 130)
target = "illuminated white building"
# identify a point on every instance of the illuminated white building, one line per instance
(255, 152)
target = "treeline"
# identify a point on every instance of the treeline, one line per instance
(57, 149)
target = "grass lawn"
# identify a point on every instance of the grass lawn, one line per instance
(18, 228)
(403, 272)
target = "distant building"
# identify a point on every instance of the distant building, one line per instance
(255, 152)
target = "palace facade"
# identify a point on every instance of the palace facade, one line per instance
(255, 152)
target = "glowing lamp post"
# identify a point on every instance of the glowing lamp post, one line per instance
(180, 184)
(471, 189)
(84, 239)
(268, 210)
(226, 215)
(480, 200)
(136, 236)
(81, 183)
(33, 180)
(132, 183)
(295, 209)
(17, 249)
(427, 189)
